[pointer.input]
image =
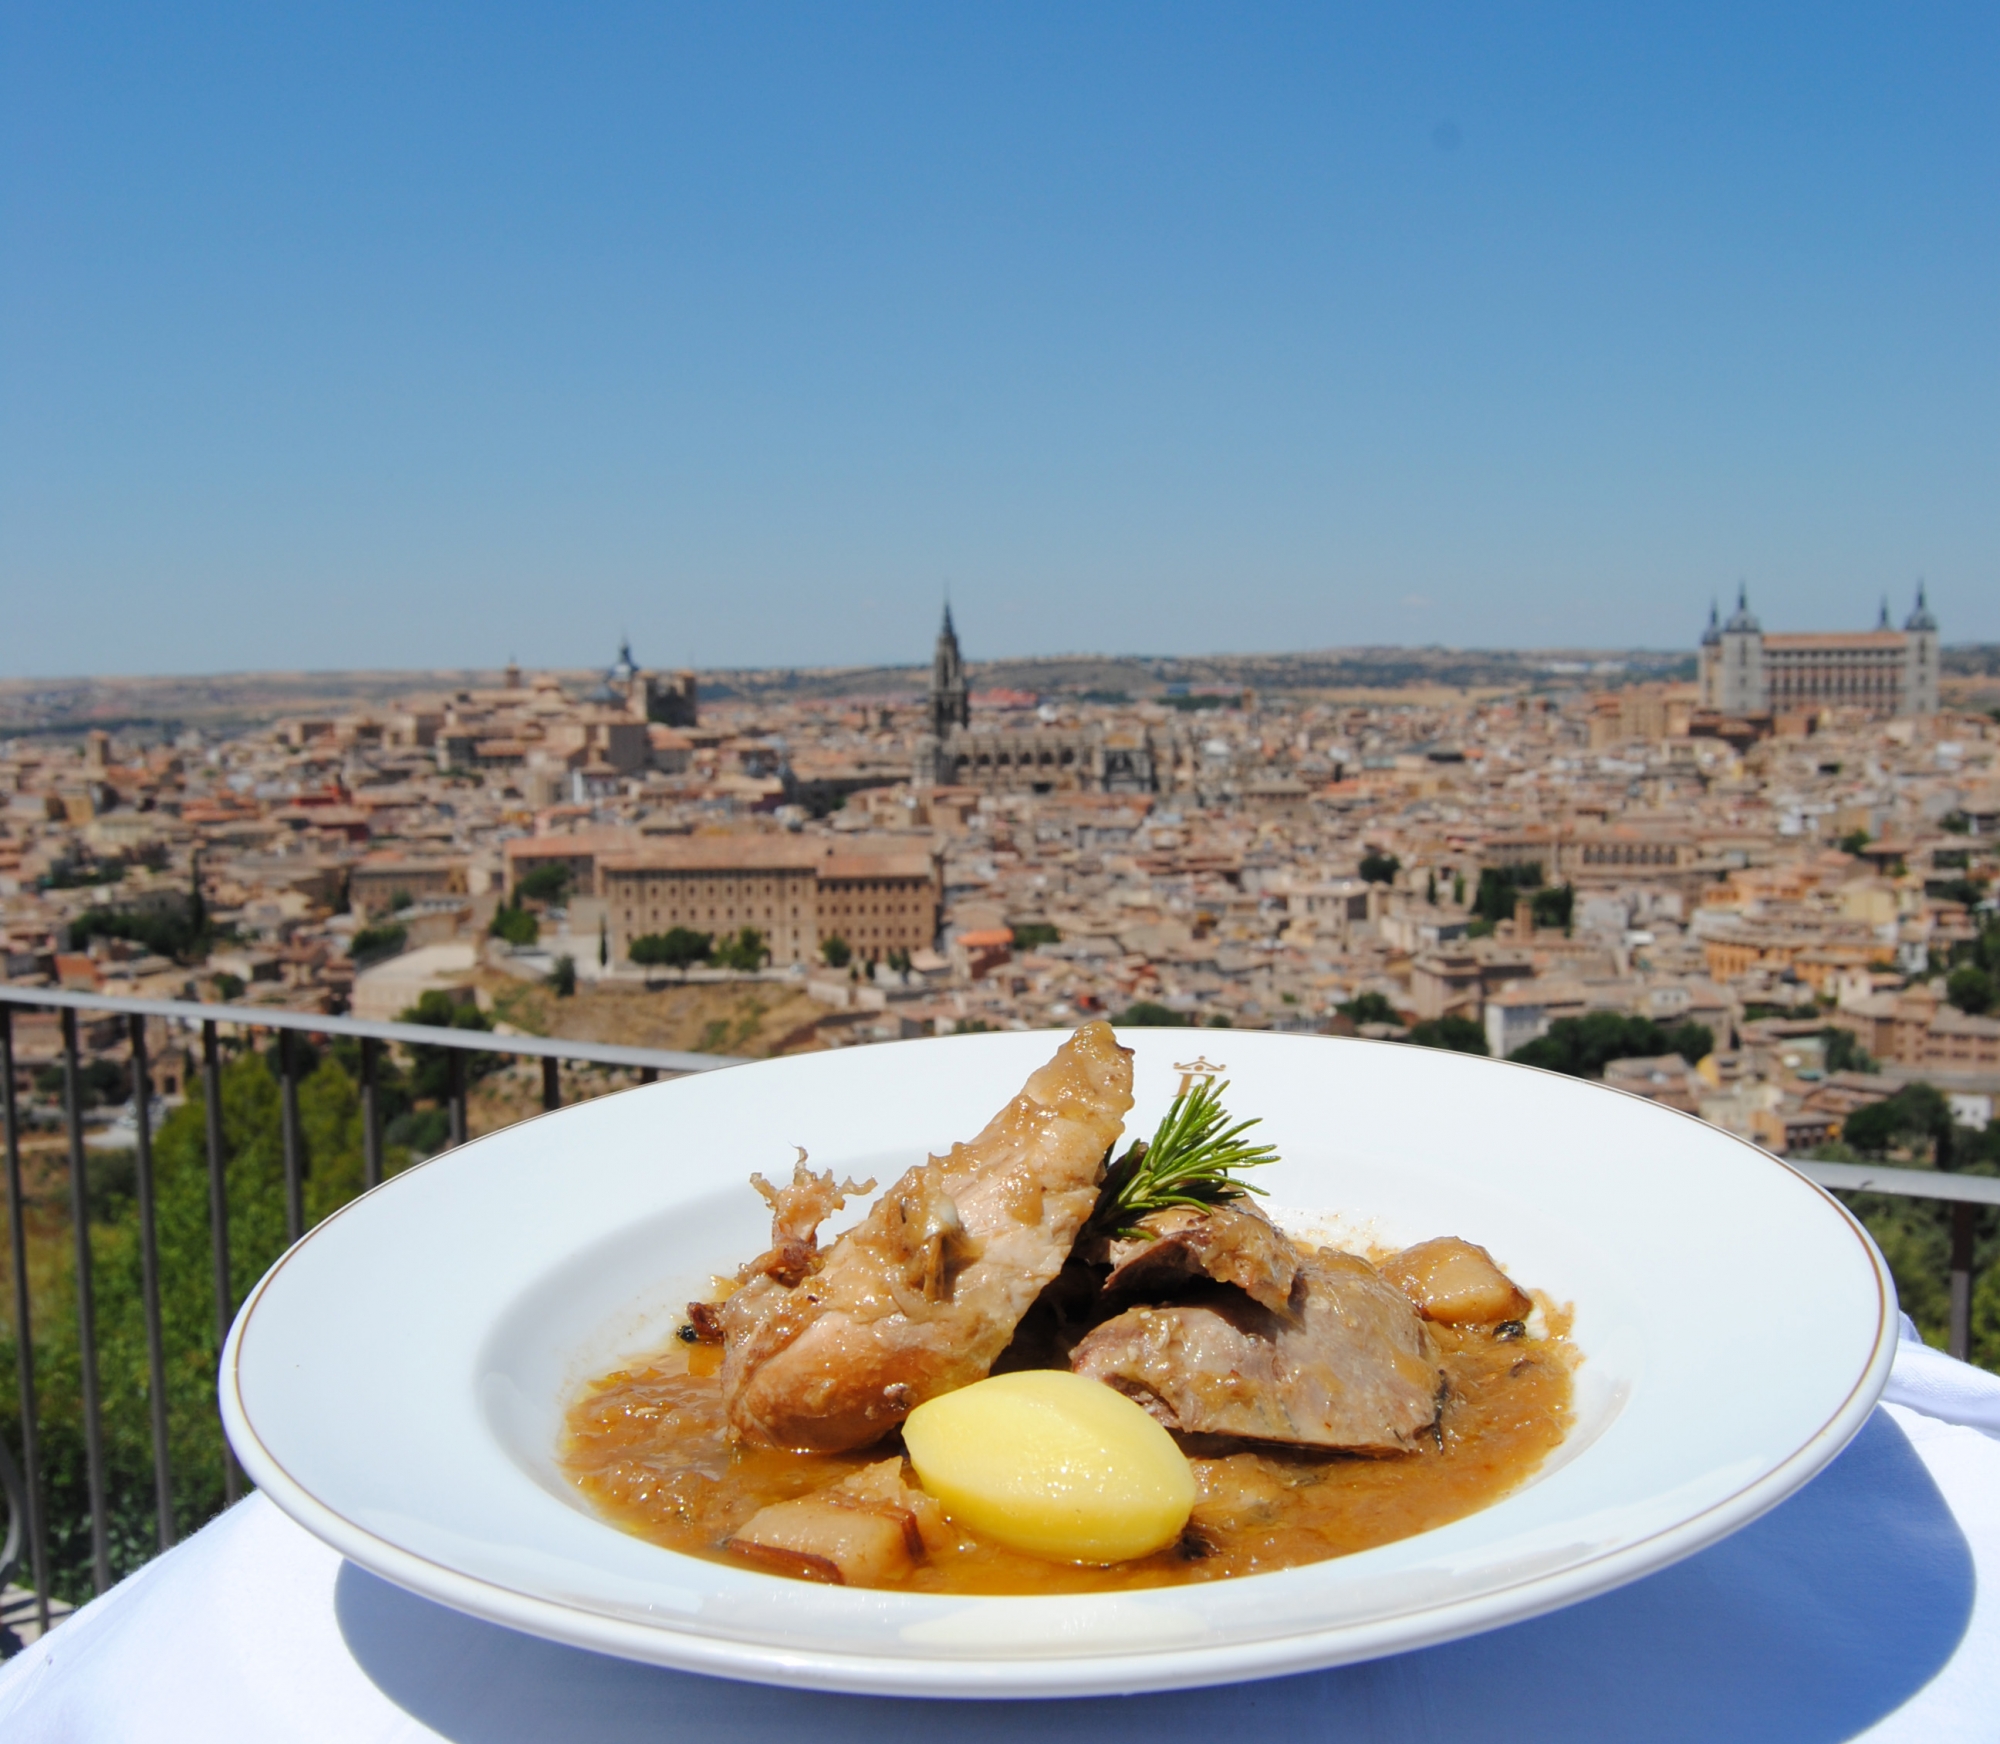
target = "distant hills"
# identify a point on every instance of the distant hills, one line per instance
(231, 702)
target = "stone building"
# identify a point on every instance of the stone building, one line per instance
(1884, 672)
(379, 882)
(797, 892)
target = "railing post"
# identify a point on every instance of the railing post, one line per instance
(86, 1309)
(551, 1084)
(149, 1281)
(649, 1074)
(455, 1079)
(1959, 1343)
(371, 1113)
(218, 1219)
(24, 1345)
(288, 1076)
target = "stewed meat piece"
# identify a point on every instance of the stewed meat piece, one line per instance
(922, 1294)
(865, 1530)
(1232, 1243)
(1350, 1366)
(1456, 1282)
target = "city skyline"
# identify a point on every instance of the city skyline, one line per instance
(418, 341)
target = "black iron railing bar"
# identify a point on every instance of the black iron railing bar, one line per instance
(24, 1344)
(288, 1085)
(371, 1112)
(149, 1281)
(86, 1313)
(218, 1225)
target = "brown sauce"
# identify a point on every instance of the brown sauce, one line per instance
(648, 1446)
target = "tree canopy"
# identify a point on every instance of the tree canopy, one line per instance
(1371, 1008)
(1150, 1014)
(1916, 1118)
(515, 925)
(1584, 1046)
(746, 951)
(1500, 886)
(1460, 1035)
(547, 883)
(676, 948)
(1970, 988)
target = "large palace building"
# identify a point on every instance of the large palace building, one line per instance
(1883, 671)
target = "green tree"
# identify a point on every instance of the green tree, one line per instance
(1370, 1008)
(1150, 1014)
(1844, 1052)
(1554, 907)
(1853, 842)
(516, 925)
(1460, 1035)
(1031, 935)
(747, 951)
(1917, 1118)
(1380, 868)
(1499, 886)
(164, 935)
(430, 1070)
(1694, 1042)
(1961, 890)
(676, 948)
(836, 951)
(330, 1128)
(562, 978)
(1584, 1046)
(1970, 988)
(548, 883)
(371, 944)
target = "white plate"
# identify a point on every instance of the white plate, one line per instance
(397, 1381)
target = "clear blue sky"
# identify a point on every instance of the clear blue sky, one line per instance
(415, 335)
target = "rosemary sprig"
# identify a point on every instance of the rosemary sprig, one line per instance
(1190, 1161)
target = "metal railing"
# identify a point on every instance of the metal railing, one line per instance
(1966, 1193)
(27, 1514)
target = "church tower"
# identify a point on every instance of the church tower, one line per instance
(1742, 670)
(1709, 662)
(1920, 660)
(950, 704)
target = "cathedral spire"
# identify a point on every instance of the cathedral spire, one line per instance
(951, 706)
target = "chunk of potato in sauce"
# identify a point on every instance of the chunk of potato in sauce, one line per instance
(1455, 1281)
(648, 1447)
(1054, 1464)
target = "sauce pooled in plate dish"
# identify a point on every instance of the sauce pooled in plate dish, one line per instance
(1121, 1374)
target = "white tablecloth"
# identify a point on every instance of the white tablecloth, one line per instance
(1867, 1605)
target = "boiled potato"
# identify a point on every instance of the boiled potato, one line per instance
(1053, 1464)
